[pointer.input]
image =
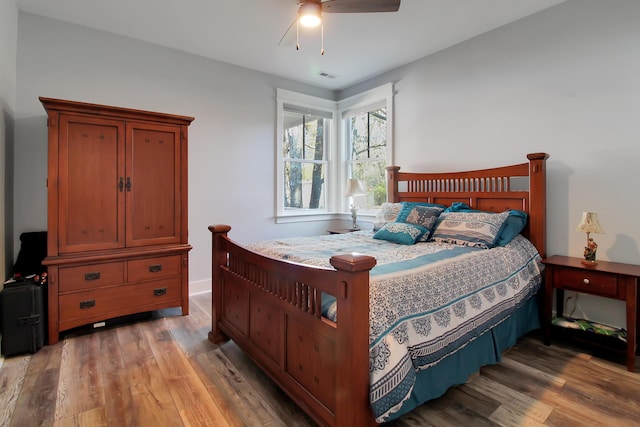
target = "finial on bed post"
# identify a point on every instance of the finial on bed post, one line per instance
(218, 258)
(392, 183)
(538, 204)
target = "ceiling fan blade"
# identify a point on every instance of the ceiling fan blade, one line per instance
(289, 36)
(360, 6)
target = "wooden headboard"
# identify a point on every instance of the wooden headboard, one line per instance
(522, 186)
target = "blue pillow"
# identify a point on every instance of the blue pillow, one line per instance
(421, 215)
(400, 232)
(513, 225)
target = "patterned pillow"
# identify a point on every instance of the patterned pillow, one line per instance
(420, 215)
(387, 213)
(514, 224)
(399, 232)
(479, 229)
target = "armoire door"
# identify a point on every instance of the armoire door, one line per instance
(153, 184)
(91, 211)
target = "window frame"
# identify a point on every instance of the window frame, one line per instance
(336, 148)
(381, 96)
(312, 104)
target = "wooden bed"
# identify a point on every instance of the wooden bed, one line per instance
(272, 309)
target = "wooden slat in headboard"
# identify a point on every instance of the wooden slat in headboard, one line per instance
(494, 190)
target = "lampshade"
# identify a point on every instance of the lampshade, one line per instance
(309, 14)
(354, 187)
(589, 223)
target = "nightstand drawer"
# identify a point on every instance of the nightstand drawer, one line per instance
(590, 282)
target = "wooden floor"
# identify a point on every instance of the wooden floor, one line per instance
(164, 372)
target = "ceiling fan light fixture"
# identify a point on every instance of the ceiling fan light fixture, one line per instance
(310, 14)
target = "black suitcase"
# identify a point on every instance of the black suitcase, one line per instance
(23, 321)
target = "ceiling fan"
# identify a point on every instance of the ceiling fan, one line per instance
(310, 12)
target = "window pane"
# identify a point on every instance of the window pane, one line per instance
(303, 136)
(373, 174)
(292, 135)
(368, 135)
(378, 133)
(304, 185)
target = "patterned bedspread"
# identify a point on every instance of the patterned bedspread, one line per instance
(427, 300)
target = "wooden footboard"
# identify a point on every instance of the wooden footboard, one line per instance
(272, 310)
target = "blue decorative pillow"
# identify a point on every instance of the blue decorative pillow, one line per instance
(479, 229)
(514, 224)
(420, 215)
(399, 232)
(512, 227)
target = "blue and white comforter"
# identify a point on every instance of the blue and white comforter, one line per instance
(426, 300)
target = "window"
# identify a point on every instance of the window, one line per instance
(317, 154)
(367, 138)
(367, 158)
(305, 135)
(305, 163)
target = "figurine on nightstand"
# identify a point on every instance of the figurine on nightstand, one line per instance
(590, 250)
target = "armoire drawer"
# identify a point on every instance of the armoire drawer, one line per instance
(100, 304)
(91, 276)
(153, 268)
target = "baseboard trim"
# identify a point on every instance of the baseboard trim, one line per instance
(200, 287)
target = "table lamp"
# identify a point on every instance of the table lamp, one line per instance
(354, 187)
(589, 224)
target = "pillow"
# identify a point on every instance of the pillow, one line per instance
(387, 213)
(478, 229)
(420, 215)
(511, 228)
(399, 232)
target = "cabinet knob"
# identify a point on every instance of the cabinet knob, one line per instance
(585, 281)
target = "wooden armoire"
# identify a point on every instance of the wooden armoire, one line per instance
(117, 213)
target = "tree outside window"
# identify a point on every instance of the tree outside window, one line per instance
(303, 154)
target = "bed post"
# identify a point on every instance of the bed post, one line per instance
(218, 258)
(538, 201)
(392, 183)
(352, 342)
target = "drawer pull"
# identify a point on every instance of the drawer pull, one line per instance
(92, 276)
(155, 268)
(87, 304)
(585, 281)
(158, 292)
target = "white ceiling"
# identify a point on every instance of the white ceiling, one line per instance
(247, 32)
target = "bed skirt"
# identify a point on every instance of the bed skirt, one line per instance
(485, 350)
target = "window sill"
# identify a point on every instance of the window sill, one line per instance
(325, 216)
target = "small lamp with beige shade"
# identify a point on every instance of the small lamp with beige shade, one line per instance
(589, 224)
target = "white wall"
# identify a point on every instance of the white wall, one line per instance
(564, 81)
(8, 46)
(231, 141)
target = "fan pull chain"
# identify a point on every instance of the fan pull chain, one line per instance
(298, 34)
(322, 39)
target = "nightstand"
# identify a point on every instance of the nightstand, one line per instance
(340, 230)
(607, 279)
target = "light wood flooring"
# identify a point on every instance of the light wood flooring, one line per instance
(164, 372)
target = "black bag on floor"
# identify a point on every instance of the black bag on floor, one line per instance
(23, 321)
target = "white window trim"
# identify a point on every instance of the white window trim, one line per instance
(354, 105)
(337, 205)
(313, 103)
